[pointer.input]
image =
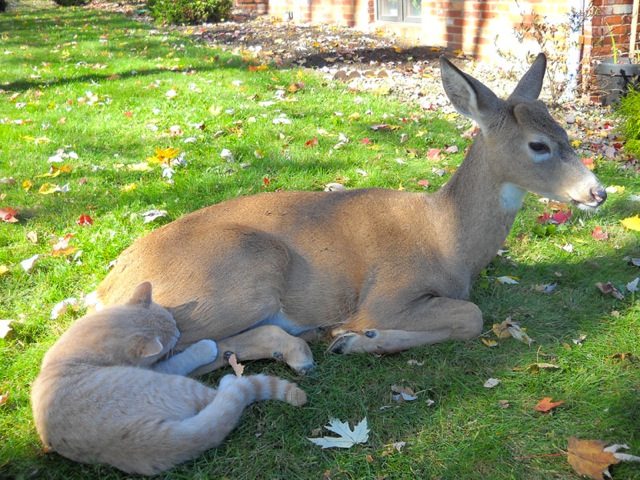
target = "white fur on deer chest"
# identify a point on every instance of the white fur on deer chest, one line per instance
(511, 197)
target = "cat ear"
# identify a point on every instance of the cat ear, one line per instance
(141, 296)
(145, 347)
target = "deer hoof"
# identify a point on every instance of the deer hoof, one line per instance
(305, 369)
(342, 343)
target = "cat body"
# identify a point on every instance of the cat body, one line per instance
(104, 396)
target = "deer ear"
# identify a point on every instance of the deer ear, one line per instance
(530, 85)
(469, 96)
(144, 347)
(141, 295)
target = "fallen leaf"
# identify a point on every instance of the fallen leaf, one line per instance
(536, 367)
(238, 368)
(504, 403)
(393, 448)
(334, 187)
(609, 289)
(311, 142)
(519, 334)
(27, 184)
(507, 280)
(414, 363)
(580, 340)
(28, 264)
(632, 223)
(546, 405)
(500, 330)
(5, 327)
(433, 154)
(226, 155)
(61, 308)
(588, 162)
(151, 215)
(592, 459)
(49, 188)
(491, 383)
(489, 342)
(402, 394)
(84, 220)
(3, 397)
(628, 356)
(424, 183)
(546, 288)
(8, 214)
(32, 236)
(347, 437)
(3, 269)
(632, 286)
(599, 234)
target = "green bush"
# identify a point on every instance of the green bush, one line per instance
(629, 109)
(72, 3)
(189, 11)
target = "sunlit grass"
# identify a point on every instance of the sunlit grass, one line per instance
(51, 60)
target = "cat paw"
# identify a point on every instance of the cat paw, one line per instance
(205, 350)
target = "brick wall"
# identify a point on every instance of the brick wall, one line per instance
(611, 24)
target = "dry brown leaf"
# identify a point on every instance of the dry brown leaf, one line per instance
(3, 398)
(609, 289)
(546, 405)
(501, 330)
(587, 457)
(489, 342)
(238, 368)
(536, 367)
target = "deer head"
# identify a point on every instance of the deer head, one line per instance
(525, 148)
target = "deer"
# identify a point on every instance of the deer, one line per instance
(375, 270)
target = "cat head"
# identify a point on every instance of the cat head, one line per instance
(137, 333)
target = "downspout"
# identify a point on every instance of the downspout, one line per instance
(577, 13)
(634, 30)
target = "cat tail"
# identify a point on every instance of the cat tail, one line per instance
(181, 440)
(263, 387)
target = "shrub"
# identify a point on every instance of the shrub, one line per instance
(72, 3)
(629, 110)
(189, 11)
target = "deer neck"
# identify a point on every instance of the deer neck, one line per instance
(478, 209)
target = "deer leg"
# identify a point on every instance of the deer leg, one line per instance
(268, 341)
(430, 321)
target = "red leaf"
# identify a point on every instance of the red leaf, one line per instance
(433, 154)
(266, 181)
(599, 234)
(8, 214)
(546, 405)
(424, 183)
(366, 141)
(84, 220)
(544, 218)
(128, 114)
(312, 142)
(588, 162)
(561, 217)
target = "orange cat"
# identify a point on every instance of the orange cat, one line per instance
(103, 396)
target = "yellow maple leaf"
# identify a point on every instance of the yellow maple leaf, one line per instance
(27, 184)
(48, 188)
(164, 155)
(632, 223)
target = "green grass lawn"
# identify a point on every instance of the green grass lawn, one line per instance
(109, 92)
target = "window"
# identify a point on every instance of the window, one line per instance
(400, 10)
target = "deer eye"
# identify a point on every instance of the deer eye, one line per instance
(539, 147)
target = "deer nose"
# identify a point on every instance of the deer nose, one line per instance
(599, 194)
